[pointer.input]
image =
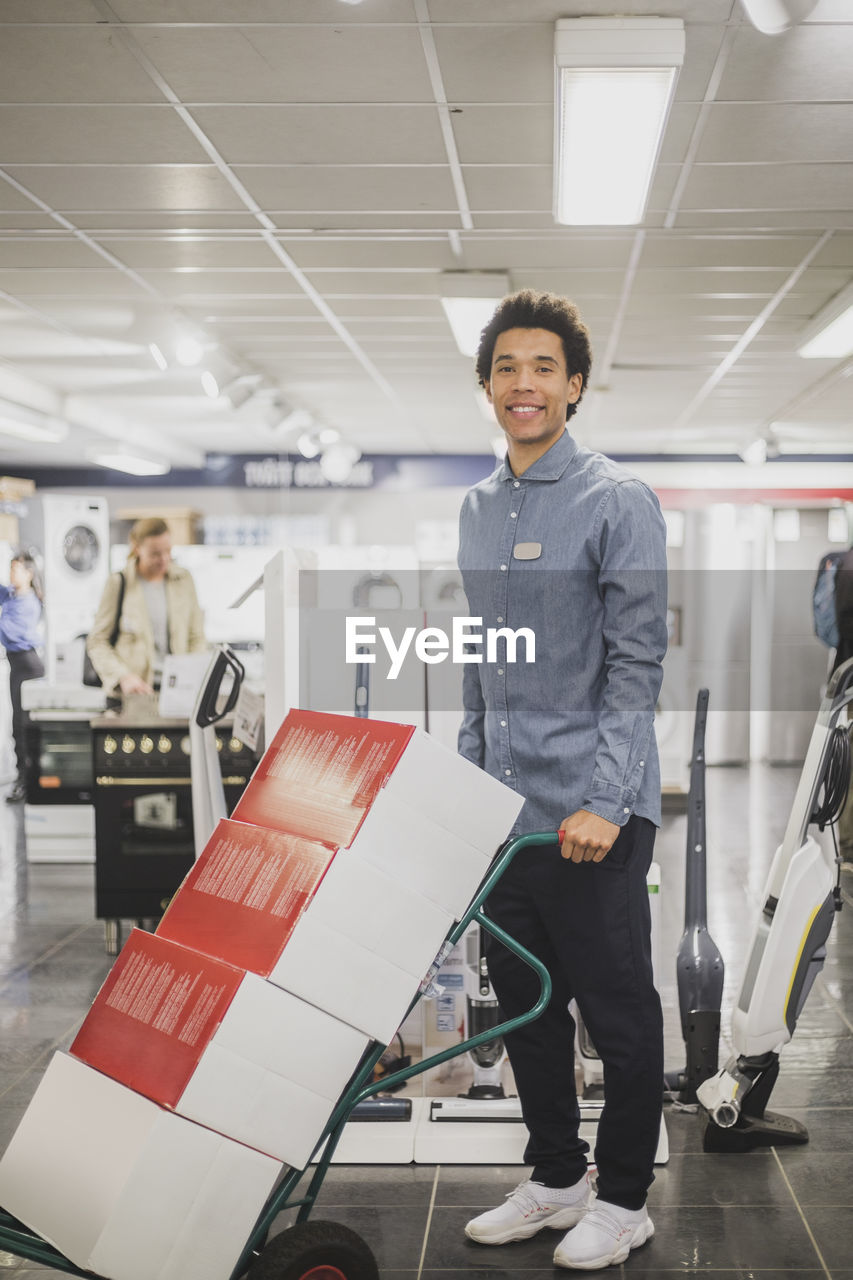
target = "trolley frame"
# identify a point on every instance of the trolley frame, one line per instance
(17, 1239)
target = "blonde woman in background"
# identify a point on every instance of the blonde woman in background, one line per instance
(157, 613)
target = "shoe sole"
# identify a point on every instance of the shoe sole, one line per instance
(564, 1220)
(643, 1234)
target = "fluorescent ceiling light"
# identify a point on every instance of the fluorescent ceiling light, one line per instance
(829, 336)
(469, 299)
(615, 83)
(51, 432)
(468, 317)
(131, 464)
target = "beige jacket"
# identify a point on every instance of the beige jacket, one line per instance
(134, 648)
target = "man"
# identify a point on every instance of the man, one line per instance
(154, 611)
(561, 540)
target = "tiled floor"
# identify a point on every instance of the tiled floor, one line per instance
(766, 1214)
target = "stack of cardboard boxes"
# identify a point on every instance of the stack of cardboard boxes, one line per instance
(217, 1049)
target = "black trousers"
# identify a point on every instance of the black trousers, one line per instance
(590, 925)
(24, 664)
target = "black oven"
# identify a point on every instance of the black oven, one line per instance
(60, 751)
(143, 811)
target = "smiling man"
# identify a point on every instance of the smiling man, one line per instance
(561, 540)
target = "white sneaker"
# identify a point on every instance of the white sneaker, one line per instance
(606, 1236)
(529, 1208)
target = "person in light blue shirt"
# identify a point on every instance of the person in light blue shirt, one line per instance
(20, 635)
(563, 542)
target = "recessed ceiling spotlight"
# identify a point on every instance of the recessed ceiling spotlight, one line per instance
(307, 446)
(188, 351)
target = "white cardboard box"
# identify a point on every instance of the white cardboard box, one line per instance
(126, 1189)
(219, 1046)
(362, 947)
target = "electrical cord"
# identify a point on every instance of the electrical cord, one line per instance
(835, 782)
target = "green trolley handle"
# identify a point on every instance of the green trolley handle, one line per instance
(358, 1088)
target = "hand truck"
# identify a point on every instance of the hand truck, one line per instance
(315, 1250)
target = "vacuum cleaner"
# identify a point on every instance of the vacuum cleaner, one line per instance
(788, 950)
(699, 965)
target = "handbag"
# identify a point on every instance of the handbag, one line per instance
(90, 675)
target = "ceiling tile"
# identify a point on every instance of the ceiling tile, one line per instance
(344, 63)
(778, 133)
(71, 64)
(813, 187)
(71, 133)
(494, 63)
(263, 11)
(805, 64)
(181, 253)
(69, 188)
(367, 188)
(322, 133)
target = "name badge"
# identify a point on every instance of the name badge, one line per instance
(527, 551)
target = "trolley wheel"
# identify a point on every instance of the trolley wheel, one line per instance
(315, 1251)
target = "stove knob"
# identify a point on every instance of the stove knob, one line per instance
(110, 745)
(128, 744)
(164, 744)
(235, 745)
(146, 745)
(185, 744)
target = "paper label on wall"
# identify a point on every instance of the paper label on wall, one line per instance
(321, 773)
(154, 1015)
(244, 895)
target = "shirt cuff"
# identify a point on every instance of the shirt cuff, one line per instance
(610, 802)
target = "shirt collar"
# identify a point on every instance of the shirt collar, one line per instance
(550, 466)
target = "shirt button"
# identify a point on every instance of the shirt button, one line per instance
(500, 671)
(516, 484)
(513, 515)
(626, 810)
(503, 724)
(642, 762)
(503, 568)
(501, 620)
(508, 772)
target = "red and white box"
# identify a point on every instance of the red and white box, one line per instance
(353, 941)
(219, 1046)
(389, 792)
(126, 1189)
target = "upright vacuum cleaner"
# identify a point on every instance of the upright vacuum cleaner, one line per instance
(699, 965)
(802, 895)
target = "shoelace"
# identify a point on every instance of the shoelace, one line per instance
(606, 1221)
(526, 1198)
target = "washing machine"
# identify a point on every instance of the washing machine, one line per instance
(72, 533)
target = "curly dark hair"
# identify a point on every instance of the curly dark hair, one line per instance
(529, 309)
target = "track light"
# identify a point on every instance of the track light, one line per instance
(615, 83)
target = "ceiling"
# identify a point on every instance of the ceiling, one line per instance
(287, 179)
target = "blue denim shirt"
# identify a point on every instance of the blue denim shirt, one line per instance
(575, 728)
